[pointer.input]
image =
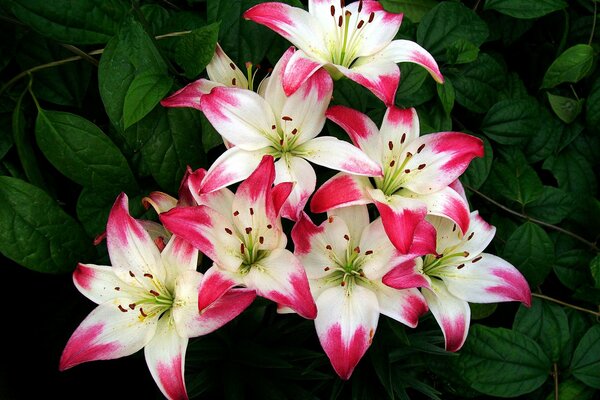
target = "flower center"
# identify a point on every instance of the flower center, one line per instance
(284, 136)
(395, 171)
(347, 31)
(152, 296)
(433, 265)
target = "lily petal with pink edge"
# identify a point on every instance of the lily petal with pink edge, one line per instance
(417, 172)
(147, 299)
(355, 40)
(461, 273)
(345, 259)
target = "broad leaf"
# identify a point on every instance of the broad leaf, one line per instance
(530, 250)
(552, 206)
(586, 359)
(516, 182)
(195, 50)
(146, 90)
(512, 121)
(36, 232)
(414, 10)
(571, 66)
(565, 108)
(447, 95)
(525, 9)
(573, 172)
(572, 389)
(592, 107)
(595, 268)
(479, 168)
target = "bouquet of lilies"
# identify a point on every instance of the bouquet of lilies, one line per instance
(396, 235)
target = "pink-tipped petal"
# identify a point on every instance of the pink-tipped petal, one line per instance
(97, 282)
(400, 127)
(221, 69)
(446, 203)
(405, 306)
(407, 275)
(299, 69)
(336, 154)
(132, 251)
(256, 193)
(487, 279)
(378, 33)
(452, 314)
(107, 333)
(178, 256)
(362, 130)
(190, 95)
(346, 325)
(340, 191)
(281, 278)
(380, 255)
(459, 188)
(240, 116)
(379, 75)
(215, 283)
(234, 165)
(400, 216)
(438, 159)
(159, 201)
(425, 239)
(478, 236)
(302, 175)
(191, 187)
(165, 357)
(408, 51)
(271, 88)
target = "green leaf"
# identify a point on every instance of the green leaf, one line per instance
(595, 268)
(547, 138)
(79, 22)
(446, 94)
(128, 54)
(477, 84)
(572, 389)
(146, 90)
(480, 311)
(525, 9)
(479, 168)
(571, 66)
(530, 250)
(512, 121)
(210, 136)
(552, 206)
(516, 182)
(565, 108)
(194, 51)
(448, 23)
(414, 10)
(413, 77)
(586, 359)
(81, 151)
(545, 323)
(592, 107)
(570, 268)
(573, 172)
(36, 232)
(461, 52)
(501, 362)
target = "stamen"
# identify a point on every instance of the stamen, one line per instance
(407, 171)
(403, 138)
(294, 131)
(248, 230)
(286, 118)
(154, 292)
(236, 213)
(229, 231)
(346, 237)
(251, 211)
(392, 163)
(131, 274)
(471, 236)
(343, 283)
(368, 252)
(421, 166)
(360, 24)
(148, 276)
(460, 266)
(330, 219)
(454, 228)
(273, 127)
(326, 268)
(122, 308)
(261, 239)
(132, 306)
(269, 226)
(143, 313)
(360, 4)
(391, 145)
(342, 4)
(232, 65)
(409, 154)
(340, 21)
(281, 142)
(476, 259)
(233, 81)
(117, 288)
(328, 247)
(332, 10)
(242, 247)
(465, 254)
(421, 147)
(357, 249)
(361, 273)
(371, 16)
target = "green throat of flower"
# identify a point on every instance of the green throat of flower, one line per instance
(151, 297)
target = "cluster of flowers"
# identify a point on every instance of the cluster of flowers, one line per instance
(424, 251)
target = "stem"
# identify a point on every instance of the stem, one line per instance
(555, 376)
(81, 53)
(562, 303)
(593, 25)
(476, 5)
(536, 221)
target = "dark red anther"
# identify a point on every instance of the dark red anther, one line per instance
(460, 266)
(294, 131)
(232, 65)
(330, 219)
(392, 163)
(281, 142)
(154, 292)
(143, 313)
(131, 274)
(251, 211)
(159, 241)
(357, 249)
(236, 213)
(421, 147)
(360, 4)
(391, 145)
(403, 138)
(117, 288)
(326, 269)
(476, 259)
(340, 21)
(407, 171)
(229, 231)
(273, 127)
(360, 24)
(269, 226)
(242, 248)
(286, 118)
(332, 9)
(371, 17)
(328, 247)
(261, 239)
(343, 283)
(346, 237)
(123, 309)
(454, 228)
(421, 166)
(233, 81)
(368, 252)
(471, 236)
(132, 306)
(248, 230)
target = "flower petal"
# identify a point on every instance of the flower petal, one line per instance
(379, 75)
(345, 325)
(191, 188)
(281, 278)
(190, 95)
(445, 203)
(487, 279)
(165, 356)
(407, 275)
(215, 283)
(478, 236)
(160, 201)
(97, 282)
(356, 219)
(132, 251)
(408, 51)
(300, 68)
(452, 314)
(107, 333)
(336, 154)
(272, 85)
(302, 174)
(242, 117)
(377, 31)
(234, 165)
(340, 191)
(400, 217)
(405, 306)
(221, 69)
(362, 130)
(399, 127)
(178, 256)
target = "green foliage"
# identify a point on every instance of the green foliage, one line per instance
(525, 9)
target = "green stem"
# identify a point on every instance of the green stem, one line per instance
(536, 221)
(593, 25)
(555, 377)
(562, 303)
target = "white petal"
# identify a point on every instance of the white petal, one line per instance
(405, 306)
(178, 256)
(233, 166)
(222, 69)
(356, 219)
(301, 173)
(98, 282)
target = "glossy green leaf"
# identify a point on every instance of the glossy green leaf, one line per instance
(565, 108)
(530, 250)
(480, 311)
(194, 51)
(573, 172)
(552, 206)
(512, 121)
(414, 10)
(479, 168)
(412, 78)
(595, 268)
(586, 359)
(501, 362)
(127, 55)
(446, 94)
(448, 23)
(81, 151)
(571, 66)
(546, 323)
(146, 90)
(592, 107)
(525, 9)
(572, 389)
(79, 22)
(477, 84)
(36, 232)
(516, 182)
(570, 267)
(461, 52)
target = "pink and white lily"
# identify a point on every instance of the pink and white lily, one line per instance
(345, 259)
(147, 299)
(417, 172)
(283, 127)
(355, 41)
(242, 234)
(461, 273)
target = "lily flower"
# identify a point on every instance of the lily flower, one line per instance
(283, 127)
(242, 234)
(417, 172)
(147, 299)
(460, 273)
(355, 41)
(345, 259)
